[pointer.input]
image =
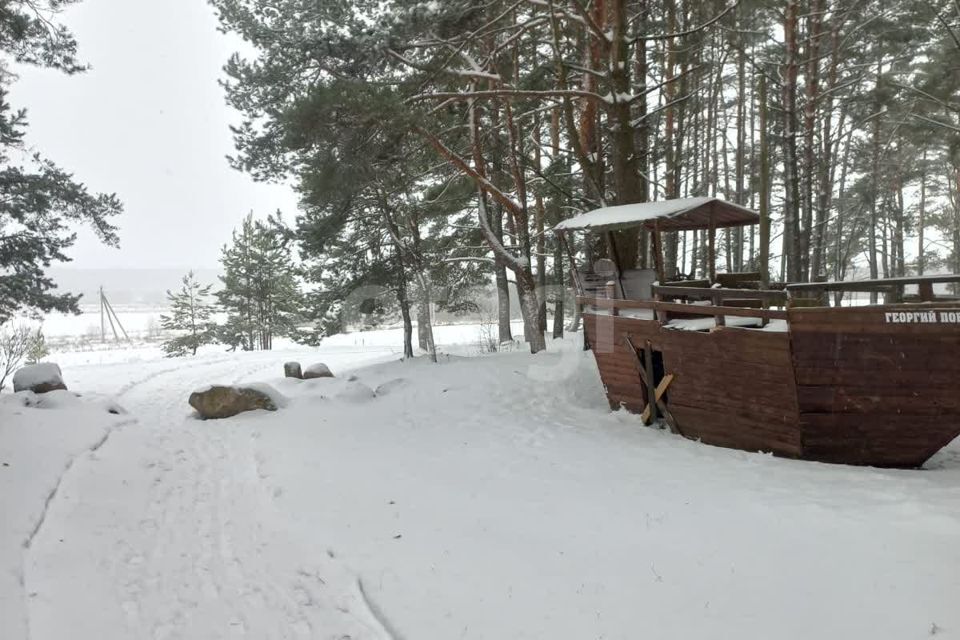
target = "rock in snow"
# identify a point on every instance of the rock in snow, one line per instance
(39, 378)
(220, 401)
(292, 370)
(318, 370)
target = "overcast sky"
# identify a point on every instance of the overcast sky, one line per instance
(148, 122)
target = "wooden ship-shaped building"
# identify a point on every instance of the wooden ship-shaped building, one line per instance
(778, 370)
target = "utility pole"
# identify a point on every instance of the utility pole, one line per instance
(106, 310)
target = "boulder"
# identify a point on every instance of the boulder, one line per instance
(39, 378)
(318, 370)
(292, 370)
(219, 401)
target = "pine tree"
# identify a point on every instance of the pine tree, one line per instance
(38, 349)
(260, 291)
(190, 317)
(41, 202)
(860, 106)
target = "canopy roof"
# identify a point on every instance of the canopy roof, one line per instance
(681, 214)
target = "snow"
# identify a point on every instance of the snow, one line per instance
(630, 215)
(701, 324)
(708, 324)
(279, 400)
(31, 375)
(37, 447)
(480, 497)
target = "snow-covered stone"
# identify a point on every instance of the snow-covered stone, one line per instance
(292, 370)
(221, 401)
(39, 378)
(318, 370)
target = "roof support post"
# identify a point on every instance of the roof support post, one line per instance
(657, 245)
(615, 255)
(574, 273)
(712, 248)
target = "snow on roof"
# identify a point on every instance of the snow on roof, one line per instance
(673, 215)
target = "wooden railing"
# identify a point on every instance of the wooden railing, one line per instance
(661, 308)
(892, 288)
(717, 296)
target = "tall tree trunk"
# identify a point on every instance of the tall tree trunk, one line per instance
(826, 164)
(424, 319)
(541, 242)
(627, 182)
(495, 152)
(504, 331)
(764, 241)
(791, 234)
(740, 151)
(814, 22)
(526, 291)
(642, 130)
(875, 184)
(922, 216)
(670, 152)
(559, 280)
(404, 300)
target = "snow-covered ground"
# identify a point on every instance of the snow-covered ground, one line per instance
(481, 497)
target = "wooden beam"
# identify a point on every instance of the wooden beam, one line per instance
(706, 293)
(615, 254)
(719, 319)
(692, 309)
(651, 388)
(661, 389)
(712, 248)
(655, 403)
(873, 285)
(657, 242)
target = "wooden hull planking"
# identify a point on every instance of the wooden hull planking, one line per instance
(845, 385)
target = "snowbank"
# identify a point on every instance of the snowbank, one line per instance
(499, 498)
(493, 497)
(38, 445)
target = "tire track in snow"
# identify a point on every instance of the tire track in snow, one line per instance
(377, 613)
(203, 557)
(130, 386)
(28, 542)
(96, 446)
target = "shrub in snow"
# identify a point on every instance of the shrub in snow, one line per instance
(15, 343)
(318, 370)
(39, 378)
(219, 401)
(292, 370)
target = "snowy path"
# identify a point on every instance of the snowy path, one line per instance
(167, 531)
(477, 498)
